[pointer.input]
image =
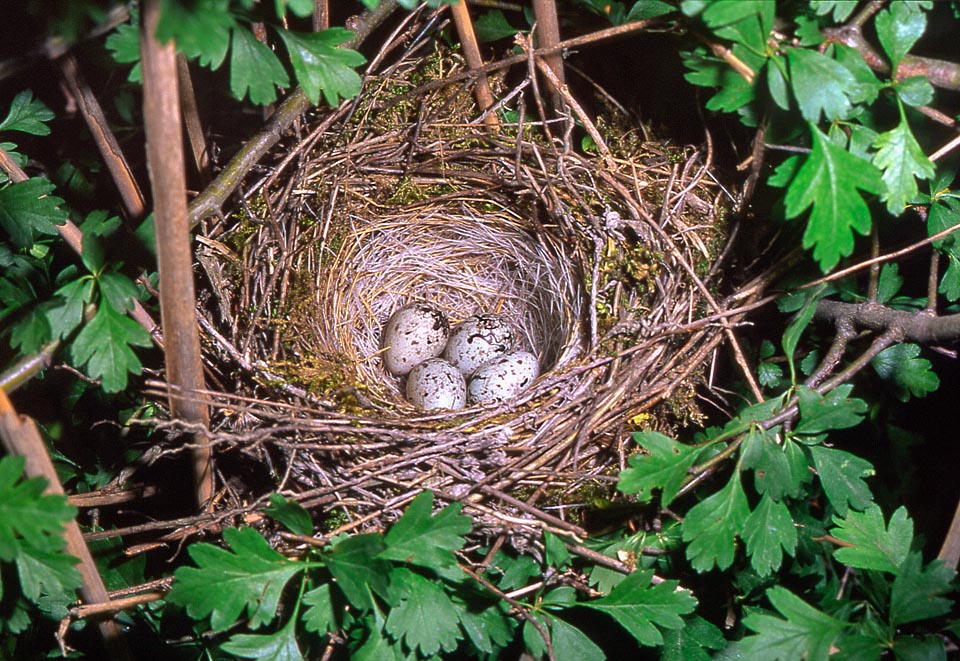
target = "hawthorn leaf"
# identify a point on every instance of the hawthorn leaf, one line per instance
(124, 47)
(321, 615)
(493, 25)
(829, 181)
(29, 333)
(643, 609)
(28, 209)
(915, 91)
(919, 648)
(279, 646)
(290, 513)
(867, 87)
(872, 544)
(664, 467)
(200, 29)
(643, 9)
(778, 471)
(898, 29)
(429, 541)
(27, 514)
(799, 323)
(841, 8)
(902, 161)
(47, 575)
(693, 641)
(517, 572)
(254, 68)
(569, 642)
(555, 551)
(803, 633)
(777, 83)
(911, 376)
(103, 346)
(735, 92)
(711, 527)
(747, 22)
(423, 614)
(822, 413)
(118, 289)
(950, 283)
(889, 283)
(821, 85)
(841, 475)
(321, 66)
(301, 8)
(917, 592)
(27, 115)
(68, 313)
(488, 629)
(354, 563)
(767, 530)
(249, 579)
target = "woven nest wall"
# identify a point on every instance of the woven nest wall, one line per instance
(603, 263)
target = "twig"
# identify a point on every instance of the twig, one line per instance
(191, 119)
(177, 293)
(548, 36)
(103, 137)
(471, 53)
(28, 367)
(20, 436)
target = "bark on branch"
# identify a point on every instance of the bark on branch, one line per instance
(921, 327)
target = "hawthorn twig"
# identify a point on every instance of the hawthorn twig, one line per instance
(471, 53)
(191, 119)
(174, 254)
(548, 36)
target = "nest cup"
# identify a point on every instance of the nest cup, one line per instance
(466, 256)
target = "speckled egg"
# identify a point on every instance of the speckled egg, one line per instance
(503, 378)
(413, 334)
(436, 384)
(478, 340)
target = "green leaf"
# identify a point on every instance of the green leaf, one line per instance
(27, 209)
(643, 609)
(225, 584)
(746, 22)
(898, 29)
(569, 642)
(254, 68)
(301, 8)
(355, 565)
(791, 337)
(424, 617)
(493, 25)
(841, 8)
(805, 633)
(124, 47)
(829, 181)
(950, 283)
(777, 83)
(945, 214)
(322, 67)
(841, 475)
(27, 115)
(555, 551)
(320, 617)
(119, 290)
(103, 346)
(691, 642)
(29, 333)
(291, 514)
(200, 29)
(279, 646)
(901, 160)
(769, 374)
(488, 629)
(917, 592)
(919, 648)
(836, 410)
(428, 541)
(735, 92)
(867, 87)
(68, 313)
(821, 85)
(47, 575)
(768, 529)
(915, 91)
(665, 467)
(890, 283)
(910, 375)
(778, 470)
(874, 546)
(643, 9)
(27, 515)
(711, 526)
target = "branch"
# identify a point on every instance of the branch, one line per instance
(921, 327)
(161, 113)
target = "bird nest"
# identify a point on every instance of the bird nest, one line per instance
(603, 261)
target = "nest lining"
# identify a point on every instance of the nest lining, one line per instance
(604, 283)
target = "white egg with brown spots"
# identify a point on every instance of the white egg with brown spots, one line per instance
(436, 384)
(478, 340)
(503, 379)
(413, 334)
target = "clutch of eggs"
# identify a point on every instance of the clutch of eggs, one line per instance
(478, 364)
